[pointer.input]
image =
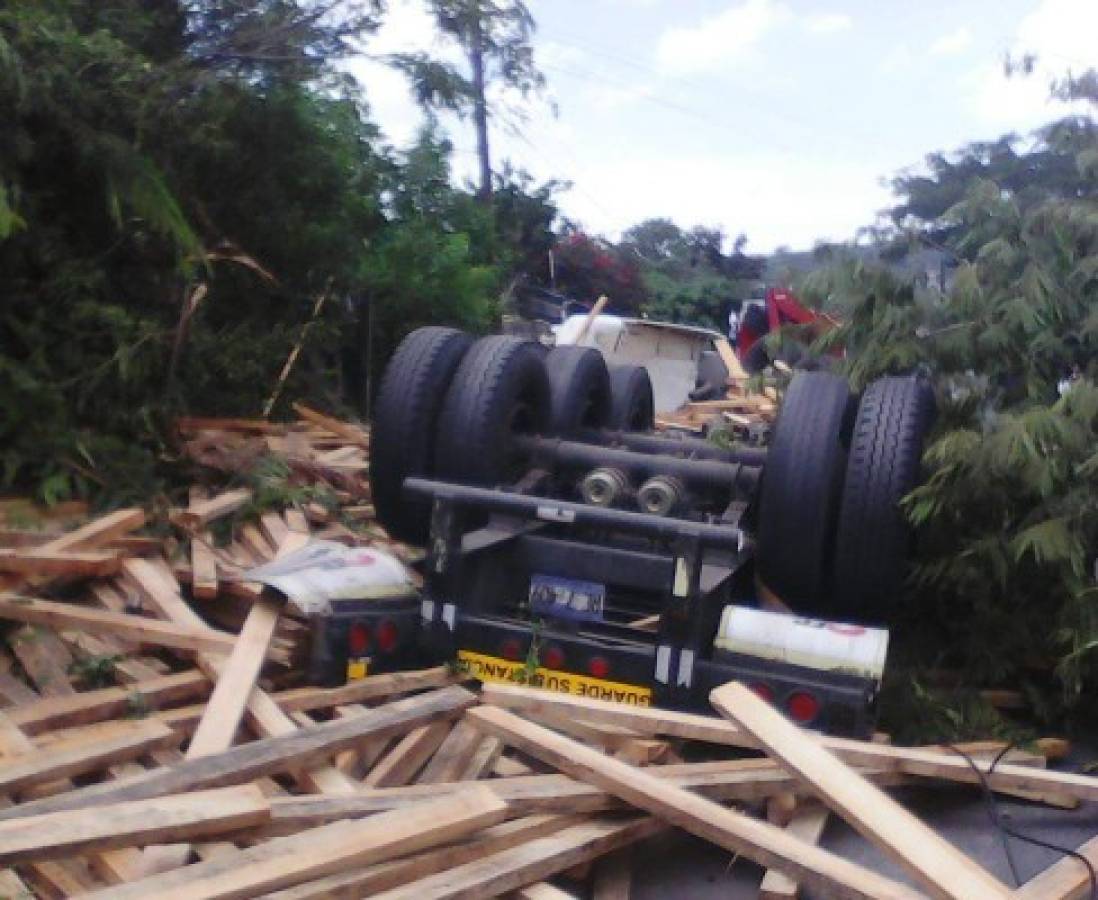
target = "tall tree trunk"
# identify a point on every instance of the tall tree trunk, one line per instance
(480, 110)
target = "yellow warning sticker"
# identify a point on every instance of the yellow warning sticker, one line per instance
(357, 668)
(504, 671)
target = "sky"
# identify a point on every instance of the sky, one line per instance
(779, 119)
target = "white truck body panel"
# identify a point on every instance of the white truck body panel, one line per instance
(670, 352)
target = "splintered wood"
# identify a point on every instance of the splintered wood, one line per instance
(158, 738)
(735, 407)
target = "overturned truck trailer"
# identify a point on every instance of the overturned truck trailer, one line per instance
(570, 546)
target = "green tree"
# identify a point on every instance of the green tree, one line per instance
(1008, 516)
(495, 37)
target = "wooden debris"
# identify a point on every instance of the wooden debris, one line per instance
(734, 831)
(933, 861)
(294, 791)
(284, 862)
(203, 512)
(192, 815)
(136, 628)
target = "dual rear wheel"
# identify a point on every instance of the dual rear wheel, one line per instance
(832, 538)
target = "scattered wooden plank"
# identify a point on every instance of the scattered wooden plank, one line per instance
(533, 861)
(400, 765)
(200, 514)
(130, 824)
(274, 528)
(237, 678)
(808, 823)
(760, 841)
(85, 708)
(159, 591)
(750, 780)
(1066, 879)
(335, 426)
(203, 567)
(284, 862)
(44, 659)
(731, 361)
(98, 532)
(256, 544)
(225, 710)
(934, 862)
(453, 755)
(266, 756)
(74, 563)
(542, 890)
(136, 628)
(128, 740)
(905, 760)
(484, 759)
(192, 424)
(367, 881)
(375, 687)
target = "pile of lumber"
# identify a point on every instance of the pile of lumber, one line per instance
(156, 739)
(746, 413)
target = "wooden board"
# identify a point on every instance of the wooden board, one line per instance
(136, 628)
(905, 760)
(193, 815)
(760, 841)
(237, 678)
(201, 513)
(335, 426)
(400, 765)
(107, 703)
(731, 361)
(369, 880)
(808, 823)
(312, 854)
(533, 861)
(203, 567)
(1066, 879)
(262, 757)
(453, 755)
(225, 709)
(376, 687)
(126, 740)
(934, 862)
(79, 564)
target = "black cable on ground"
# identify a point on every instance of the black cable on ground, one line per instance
(1006, 830)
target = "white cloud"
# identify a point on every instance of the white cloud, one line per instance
(1060, 33)
(828, 23)
(722, 38)
(776, 199)
(952, 43)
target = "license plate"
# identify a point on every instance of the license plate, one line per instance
(505, 671)
(565, 598)
(357, 668)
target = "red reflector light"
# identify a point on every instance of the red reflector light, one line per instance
(552, 658)
(599, 667)
(764, 690)
(511, 649)
(386, 636)
(803, 707)
(358, 639)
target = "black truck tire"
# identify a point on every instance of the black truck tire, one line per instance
(801, 486)
(405, 425)
(499, 391)
(873, 541)
(632, 407)
(579, 389)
